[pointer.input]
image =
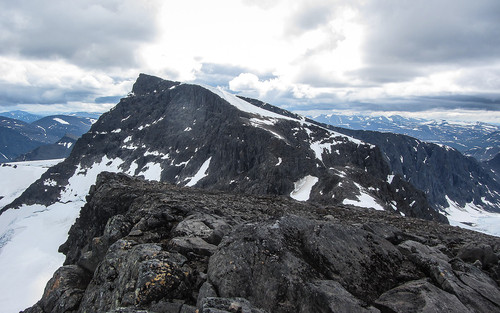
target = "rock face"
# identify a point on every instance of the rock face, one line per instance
(191, 135)
(141, 246)
(442, 173)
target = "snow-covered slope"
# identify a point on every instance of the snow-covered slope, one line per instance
(31, 235)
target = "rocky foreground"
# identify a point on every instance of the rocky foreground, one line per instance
(141, 246)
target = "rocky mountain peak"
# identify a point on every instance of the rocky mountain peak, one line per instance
(205, 137)
(147, 84)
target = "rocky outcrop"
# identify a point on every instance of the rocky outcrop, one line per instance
(141, 246)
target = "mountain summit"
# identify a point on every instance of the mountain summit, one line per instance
(205, 137)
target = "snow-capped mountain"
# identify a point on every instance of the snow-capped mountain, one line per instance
(18, 137)
(203, 137)
(479, 140)
(192, 135)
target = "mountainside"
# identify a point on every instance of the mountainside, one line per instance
(141, 246)
(59, 150)
(448, 178)
(18, 137)
(479, 140)
(191, 135)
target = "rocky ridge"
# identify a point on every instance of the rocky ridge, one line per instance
(141, 246)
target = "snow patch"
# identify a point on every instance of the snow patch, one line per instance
(364, 200)
(151, 171)
(202, 172)
(60, 120)
(390, 178)
(473, 217)
(303, 187)
(17, 176)
(279, 162)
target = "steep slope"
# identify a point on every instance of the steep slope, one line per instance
(199, 136)
(141, 246)
(59, 150)
(452, 182)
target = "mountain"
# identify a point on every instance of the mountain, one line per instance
(55, 127)
(92, 115)
(142, 246)
(192, 135)
(59, 150)
(235, 149)
(18, 137)
(21, 116)
(479, 140)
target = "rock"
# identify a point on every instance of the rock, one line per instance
(206, 291)
(265, 262)
(228, 305)
(269, 255)
(186, 245)
(483, 253)
(418, 297)
(330, 296)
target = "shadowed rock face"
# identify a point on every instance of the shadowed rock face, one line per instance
(140, 246)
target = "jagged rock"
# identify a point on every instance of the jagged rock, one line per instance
(276, 255)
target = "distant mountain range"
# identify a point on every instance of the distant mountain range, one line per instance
(18, 138)
(479, 140)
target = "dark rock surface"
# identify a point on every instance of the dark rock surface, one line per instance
(141, 246)
(438, 171)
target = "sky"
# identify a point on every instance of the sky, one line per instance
(435, 59)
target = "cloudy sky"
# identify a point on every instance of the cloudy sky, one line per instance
(438, 59)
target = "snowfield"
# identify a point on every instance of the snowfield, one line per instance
(31, 235)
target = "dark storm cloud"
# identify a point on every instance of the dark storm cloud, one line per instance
(87, 33)
(416, 36)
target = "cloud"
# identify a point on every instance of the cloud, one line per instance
(92, 34)
(48, 82)
(420, 36)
